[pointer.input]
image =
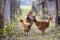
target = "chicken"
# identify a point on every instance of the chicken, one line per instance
(26, 26)
(42, 25)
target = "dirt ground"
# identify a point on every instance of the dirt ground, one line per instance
(51, 33)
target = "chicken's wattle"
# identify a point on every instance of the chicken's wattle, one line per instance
(49, 18)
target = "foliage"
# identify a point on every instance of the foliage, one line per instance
(6, 31)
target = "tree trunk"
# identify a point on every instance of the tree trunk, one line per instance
(43, 10)
(14, 7)
(2, 5)
(56, 20)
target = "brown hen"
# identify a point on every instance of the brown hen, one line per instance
(42, 25)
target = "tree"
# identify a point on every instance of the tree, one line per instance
(2, 6)
(14, 8)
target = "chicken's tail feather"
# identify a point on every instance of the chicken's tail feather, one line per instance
(21, 20)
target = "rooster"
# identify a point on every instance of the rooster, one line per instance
(26, 26)
(42, 25)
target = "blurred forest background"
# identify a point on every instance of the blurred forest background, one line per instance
(12, 10)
